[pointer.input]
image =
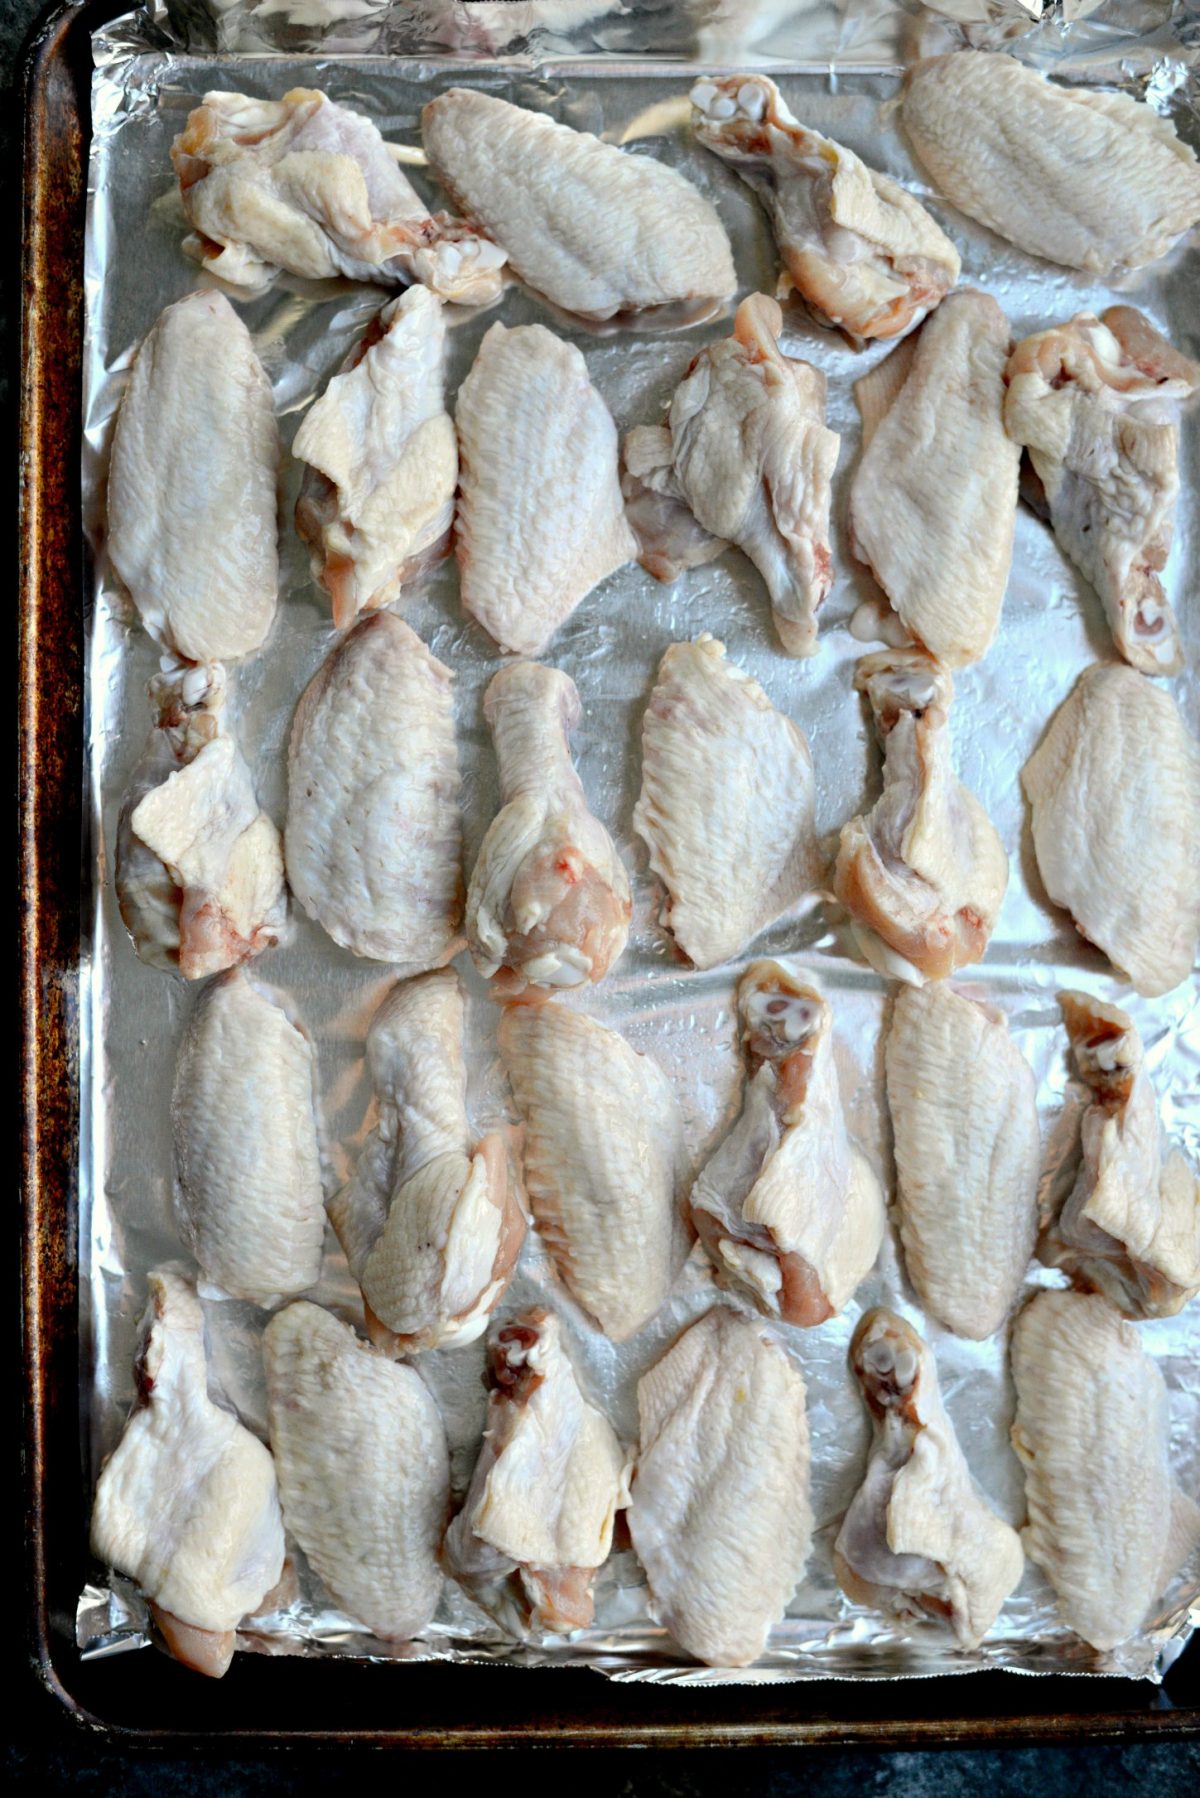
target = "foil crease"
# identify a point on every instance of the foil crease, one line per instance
(621, 70)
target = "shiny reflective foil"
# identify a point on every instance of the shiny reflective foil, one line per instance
(622, 71)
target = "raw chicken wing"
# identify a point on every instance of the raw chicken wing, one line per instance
(187, 1504)
(1114, 788)
(719, 1513)
(920, 1538)
(861, 252)
(431, 1228)
(377, 502)
(726, 806)
(364, 1471)
(549, 901)
(787, 1207)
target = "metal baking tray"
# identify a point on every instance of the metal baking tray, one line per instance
(431, 1704)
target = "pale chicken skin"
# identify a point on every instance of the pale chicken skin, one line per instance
(1088, 179)
(377, 502)
(373, 841)
(1095, 404)
(963, 1102)
(363, 1466)
(246, 1147)
(308, 186)
(726, 807)
(187, 1503)
(1114, 791)
(933, 505)
(430, 1222)
(540, 519)
(920, 1539)
(789, 1210)
(598, 231)
(862, 253)
(1107, 1524)
(537, 1522)
(719, 1511)
(549, 901)
(606, 1163)
(747, 452)
(191, 485)
(199, 867)
(1117, 1218)
(922, 874)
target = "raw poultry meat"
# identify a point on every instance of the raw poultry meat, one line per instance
(933, 505)
(537, 1522)
(1116, 1218)
(862, 252)
(719, 1513)
(191, 485)
(364, 1470)
(199, 868)
(923, 873)
(920, 1539)
(540, 519)
(373, 841)
(606, 1164)
(430, 1226)
(1095, 403)
(1107, 1524)
(598, 231)
(789, 1210)
(246, 1144)
(549, 902)
(726, 806)
(187, 1504)
(746, 451)
(377, 502)
(963, 1102)
(1114, 788)
(1088, 179)
(311, 187)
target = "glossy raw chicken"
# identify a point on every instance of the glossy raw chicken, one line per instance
(789, 1210)
(1107, 1524)
(923, 873)
(549, 902)
(537, 1522)
(246, 1146)
(199, 868)
(1114, 788)
(1088, 179)
(963, 1101)
(540, 520)
(191, 485)
(746, 451)
(861, 252)
(1116, 1218)
(187, 1504)
(1095, 403)
(430, 1226)
(373, 841)
(308, 186)
(364, 1470)
(377, 502)
(606, 1164)
(719, 1513)
(933, 506)
(726, 806)
(920, 1538)
(596, 230)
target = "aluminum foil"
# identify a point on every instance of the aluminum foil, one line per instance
(623, 72)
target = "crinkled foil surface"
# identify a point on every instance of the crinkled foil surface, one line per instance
(622, 70)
